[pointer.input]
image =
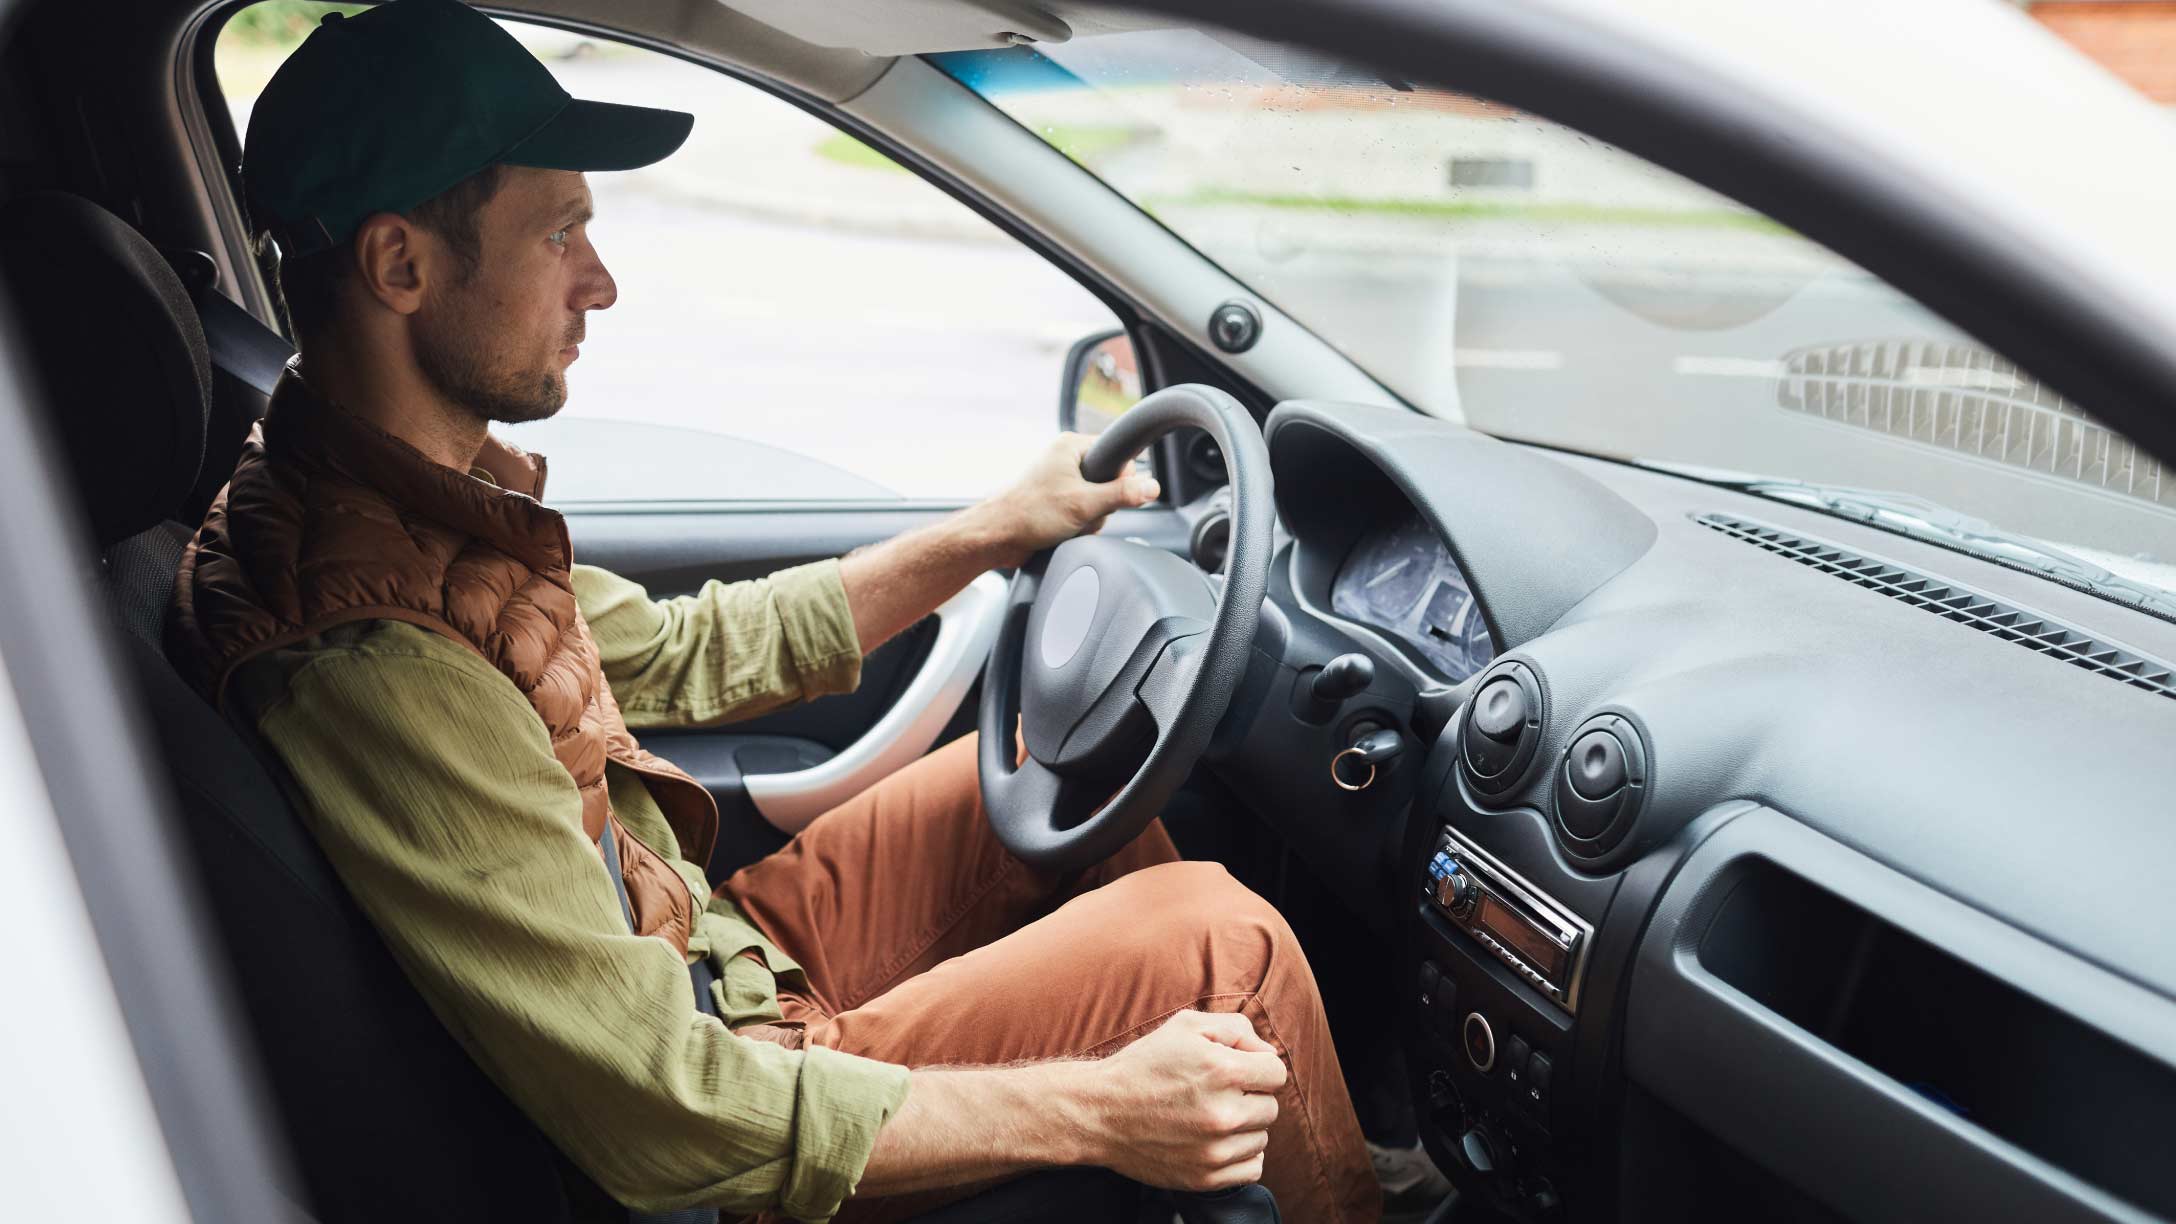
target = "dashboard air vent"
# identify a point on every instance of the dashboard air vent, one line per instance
(1501, 727)
(1964, 605)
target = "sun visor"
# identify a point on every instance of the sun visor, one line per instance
(915, 27)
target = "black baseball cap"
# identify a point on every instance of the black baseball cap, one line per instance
(383, 110)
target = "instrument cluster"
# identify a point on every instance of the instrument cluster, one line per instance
(1400, 580)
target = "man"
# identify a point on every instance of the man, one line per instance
(902, 1012)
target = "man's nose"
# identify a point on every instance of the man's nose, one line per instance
(599, 290)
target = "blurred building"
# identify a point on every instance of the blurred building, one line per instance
(2135, 39)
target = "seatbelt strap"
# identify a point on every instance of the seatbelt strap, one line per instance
(609, 847)
(699, 976)
(240, 344)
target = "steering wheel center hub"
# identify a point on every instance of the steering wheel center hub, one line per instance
(1072, 613)
(1105, 612)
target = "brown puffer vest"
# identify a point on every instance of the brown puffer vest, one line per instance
(329, 520)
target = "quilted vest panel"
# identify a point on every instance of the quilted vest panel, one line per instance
(330, 520)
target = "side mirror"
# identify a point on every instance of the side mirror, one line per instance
(1101, 380)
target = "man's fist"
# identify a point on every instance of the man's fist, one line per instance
(1188, 1107)
(1052, 503)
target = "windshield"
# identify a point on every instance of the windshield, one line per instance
(1495, 268)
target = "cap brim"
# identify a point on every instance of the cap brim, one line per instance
(587, 135)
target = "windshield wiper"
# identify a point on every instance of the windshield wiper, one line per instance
(1920, 519)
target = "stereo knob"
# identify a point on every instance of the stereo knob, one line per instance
(1454, 892)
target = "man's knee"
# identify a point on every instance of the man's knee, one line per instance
(1200, 901)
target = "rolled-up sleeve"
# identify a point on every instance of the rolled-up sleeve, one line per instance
(731, 650)
(432, 786)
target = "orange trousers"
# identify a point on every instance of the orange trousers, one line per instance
(926, 943)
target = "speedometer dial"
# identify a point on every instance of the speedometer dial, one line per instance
(1400, 579)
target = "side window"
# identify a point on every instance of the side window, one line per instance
(798, 316)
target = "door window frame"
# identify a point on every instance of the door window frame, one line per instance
(211, 127)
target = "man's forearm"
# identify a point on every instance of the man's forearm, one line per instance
(971, 1124)
(890, 586)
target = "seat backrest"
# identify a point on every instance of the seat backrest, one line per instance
(387, 1117)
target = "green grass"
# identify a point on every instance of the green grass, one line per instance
(1086, 143)
(1481, 210)
(847, 151)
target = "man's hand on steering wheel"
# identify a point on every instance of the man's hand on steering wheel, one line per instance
(1052, 502)
(890, 586)
(1116, 659)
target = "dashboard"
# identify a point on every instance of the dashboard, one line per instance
(1400, 579)
(1722, 873)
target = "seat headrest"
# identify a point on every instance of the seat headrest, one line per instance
(117, 351)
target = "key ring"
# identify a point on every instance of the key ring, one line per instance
(1339, 778)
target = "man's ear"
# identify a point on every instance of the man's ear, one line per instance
(392, 258)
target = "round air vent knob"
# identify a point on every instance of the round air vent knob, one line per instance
(1596, 763)
(1212, 540)
(1499, 714)
(1499, 711)
(1204, 458)
(1600, 785)
(1500, 729)
(1487, 758)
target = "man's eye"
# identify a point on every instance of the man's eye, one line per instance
(560, 236)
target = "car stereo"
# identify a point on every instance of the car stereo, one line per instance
(1538, 939)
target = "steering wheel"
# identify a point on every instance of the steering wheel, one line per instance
(1119, 659)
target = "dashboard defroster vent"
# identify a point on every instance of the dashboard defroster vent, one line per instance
(1974, 609)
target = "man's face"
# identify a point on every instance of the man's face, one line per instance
(499, 341)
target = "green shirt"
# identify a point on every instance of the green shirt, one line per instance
(430, 782)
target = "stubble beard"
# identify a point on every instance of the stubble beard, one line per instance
(457, 361)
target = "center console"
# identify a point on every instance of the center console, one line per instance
(1497, 981)
(1510, 978)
